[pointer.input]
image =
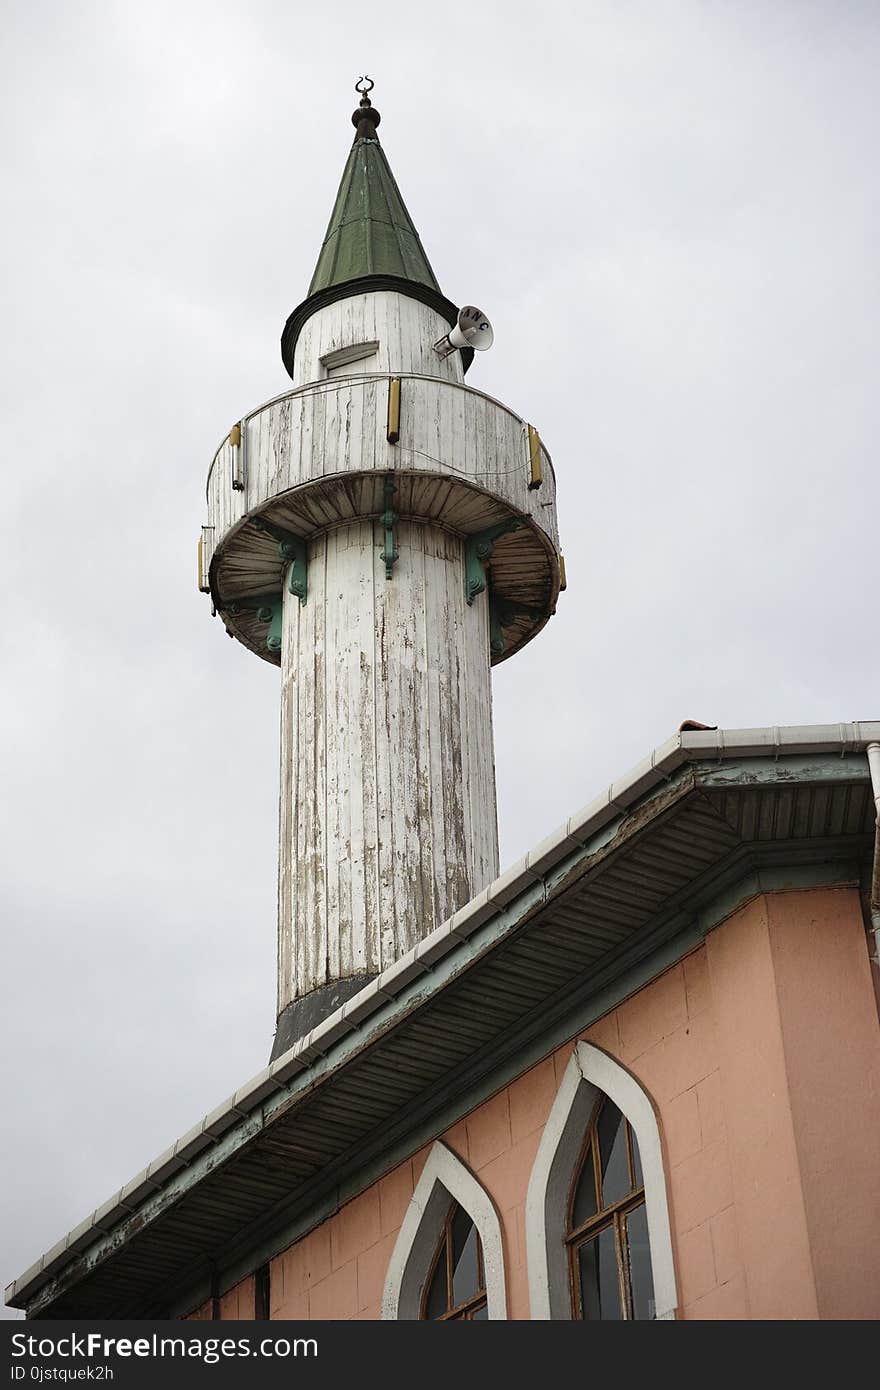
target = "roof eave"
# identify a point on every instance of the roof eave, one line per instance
(390, 999)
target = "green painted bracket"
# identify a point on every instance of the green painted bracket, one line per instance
(295, 551)
(477, 554)
(503, 612)
(268, 608)
(389, 519)
(292, 549)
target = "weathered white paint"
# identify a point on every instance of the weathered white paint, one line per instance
(388, 815)
(387, 809)
(319, 456)
(590, 1073)
(406, 331)
(337, 426)
(444, 1179)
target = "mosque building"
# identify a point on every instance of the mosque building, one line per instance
(633, 1076)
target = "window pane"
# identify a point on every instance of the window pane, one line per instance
(480, 1314)
(585, 1196)
(612, 1154)
(600, 1291)
(465, 1270)
(641, 1282)
(436, 1302)
(637, 1159)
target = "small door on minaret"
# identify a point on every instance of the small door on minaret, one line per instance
(351, 360)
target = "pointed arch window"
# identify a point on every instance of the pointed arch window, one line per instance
(448, 1260)
(455, 1290)
(607, 1228)
(597, 1217)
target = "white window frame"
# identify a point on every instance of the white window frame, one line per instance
(589, 1073)
(444, 1179)
(345, 356)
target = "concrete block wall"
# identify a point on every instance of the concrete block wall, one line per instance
(760, 1052)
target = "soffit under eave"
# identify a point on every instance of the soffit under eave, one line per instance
(598, 908)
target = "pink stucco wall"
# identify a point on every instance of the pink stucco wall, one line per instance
(800, 1059)
(829, 1030)
(236, 1305)
(761, 1054)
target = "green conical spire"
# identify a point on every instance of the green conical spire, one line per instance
(370, 231)
(371, 243)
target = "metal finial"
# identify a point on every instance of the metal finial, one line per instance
(363, 90)
(366, 118)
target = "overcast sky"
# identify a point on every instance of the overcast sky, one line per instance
(670, 212)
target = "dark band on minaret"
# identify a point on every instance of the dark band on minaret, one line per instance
(366, 118)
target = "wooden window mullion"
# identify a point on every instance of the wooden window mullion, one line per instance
(612, 1217)
(461, 1310)
(575, 1282)
(632, 1199)
(620, 1251)
(465, 1310)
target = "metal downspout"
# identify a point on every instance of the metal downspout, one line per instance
(873, 751)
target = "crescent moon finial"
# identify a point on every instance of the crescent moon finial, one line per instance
(366, 118)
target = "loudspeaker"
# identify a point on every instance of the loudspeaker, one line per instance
(472, 330)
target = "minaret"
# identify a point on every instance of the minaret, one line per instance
(383, 533)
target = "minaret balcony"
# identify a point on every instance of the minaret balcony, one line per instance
(321, 455)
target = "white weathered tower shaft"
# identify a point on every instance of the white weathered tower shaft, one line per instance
(388, 820)
(384, 533)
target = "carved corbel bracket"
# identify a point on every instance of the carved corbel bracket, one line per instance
(291, 549)
(268, 609)
(478, 553)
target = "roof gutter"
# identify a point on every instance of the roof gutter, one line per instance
(239, 1118)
